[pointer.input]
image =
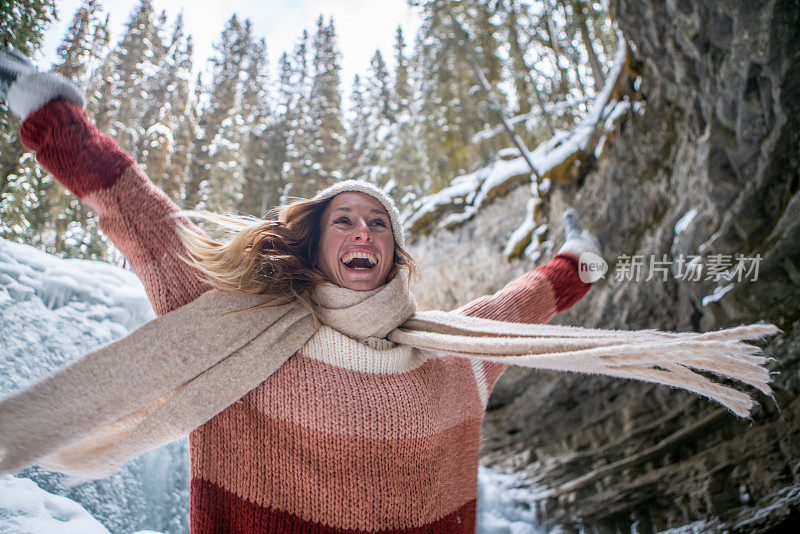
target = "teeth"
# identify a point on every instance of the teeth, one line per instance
(364, 255)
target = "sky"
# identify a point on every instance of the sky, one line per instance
(361, 25)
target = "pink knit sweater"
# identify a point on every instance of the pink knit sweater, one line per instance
(342, 438)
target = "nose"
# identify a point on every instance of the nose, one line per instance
(361, 232)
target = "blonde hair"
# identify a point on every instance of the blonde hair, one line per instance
(273, 257)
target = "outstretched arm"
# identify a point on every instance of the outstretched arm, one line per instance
(133, 212)
(537, 296)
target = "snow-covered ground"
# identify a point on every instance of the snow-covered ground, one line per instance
(53, 310)
(25, 508)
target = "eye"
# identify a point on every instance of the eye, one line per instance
(341, 220)
(379, 222)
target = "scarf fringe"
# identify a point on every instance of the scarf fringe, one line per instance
(671, 358)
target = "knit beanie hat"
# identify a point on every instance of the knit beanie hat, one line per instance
(360, 186)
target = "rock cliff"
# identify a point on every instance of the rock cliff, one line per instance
(707, 166)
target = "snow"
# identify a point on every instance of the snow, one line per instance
(506, 506)
(786, 500)
(508, 153)
(523, 233)
(473, 189)
(617, 64)
(25, 508)
(717, 295)
(159, 129)
(539, 245)
(685, 221)
(500, 173)
(459, 188)
(697, 527)
(615, 112)
(53, 310)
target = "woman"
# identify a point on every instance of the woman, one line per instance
(351, 431)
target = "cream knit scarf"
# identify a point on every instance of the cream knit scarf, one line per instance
(175, 373)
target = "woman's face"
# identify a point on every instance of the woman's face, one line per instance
(356, 245)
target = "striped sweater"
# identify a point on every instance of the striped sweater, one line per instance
(343, 437)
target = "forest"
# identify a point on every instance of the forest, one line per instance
(246, 134)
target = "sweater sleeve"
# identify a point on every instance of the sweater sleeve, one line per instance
(535, 297)
(133, 212)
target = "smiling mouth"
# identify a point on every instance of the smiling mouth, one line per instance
(359, 261)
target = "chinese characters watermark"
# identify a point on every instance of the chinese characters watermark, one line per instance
(717, 268)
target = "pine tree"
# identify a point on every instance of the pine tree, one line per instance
(74, 51)
(325, 112)
(376, 122)
(358, 133)
(182, 118)
(278, 136)
(402, 164)
(402, 84)
(274, 156)
(519, 66)
(184, 139)
(211, 173)
(553, 41)
(297, 169)
(100, 93)
(98, 65)
(451, 101)
(26, 210)
(138, 54)
(166, 118)
(570, 50)
(259, 178)
(22, 24)
(224, 188)
(522, 74)
(541, 38)
(381, 88)
(488, 46)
